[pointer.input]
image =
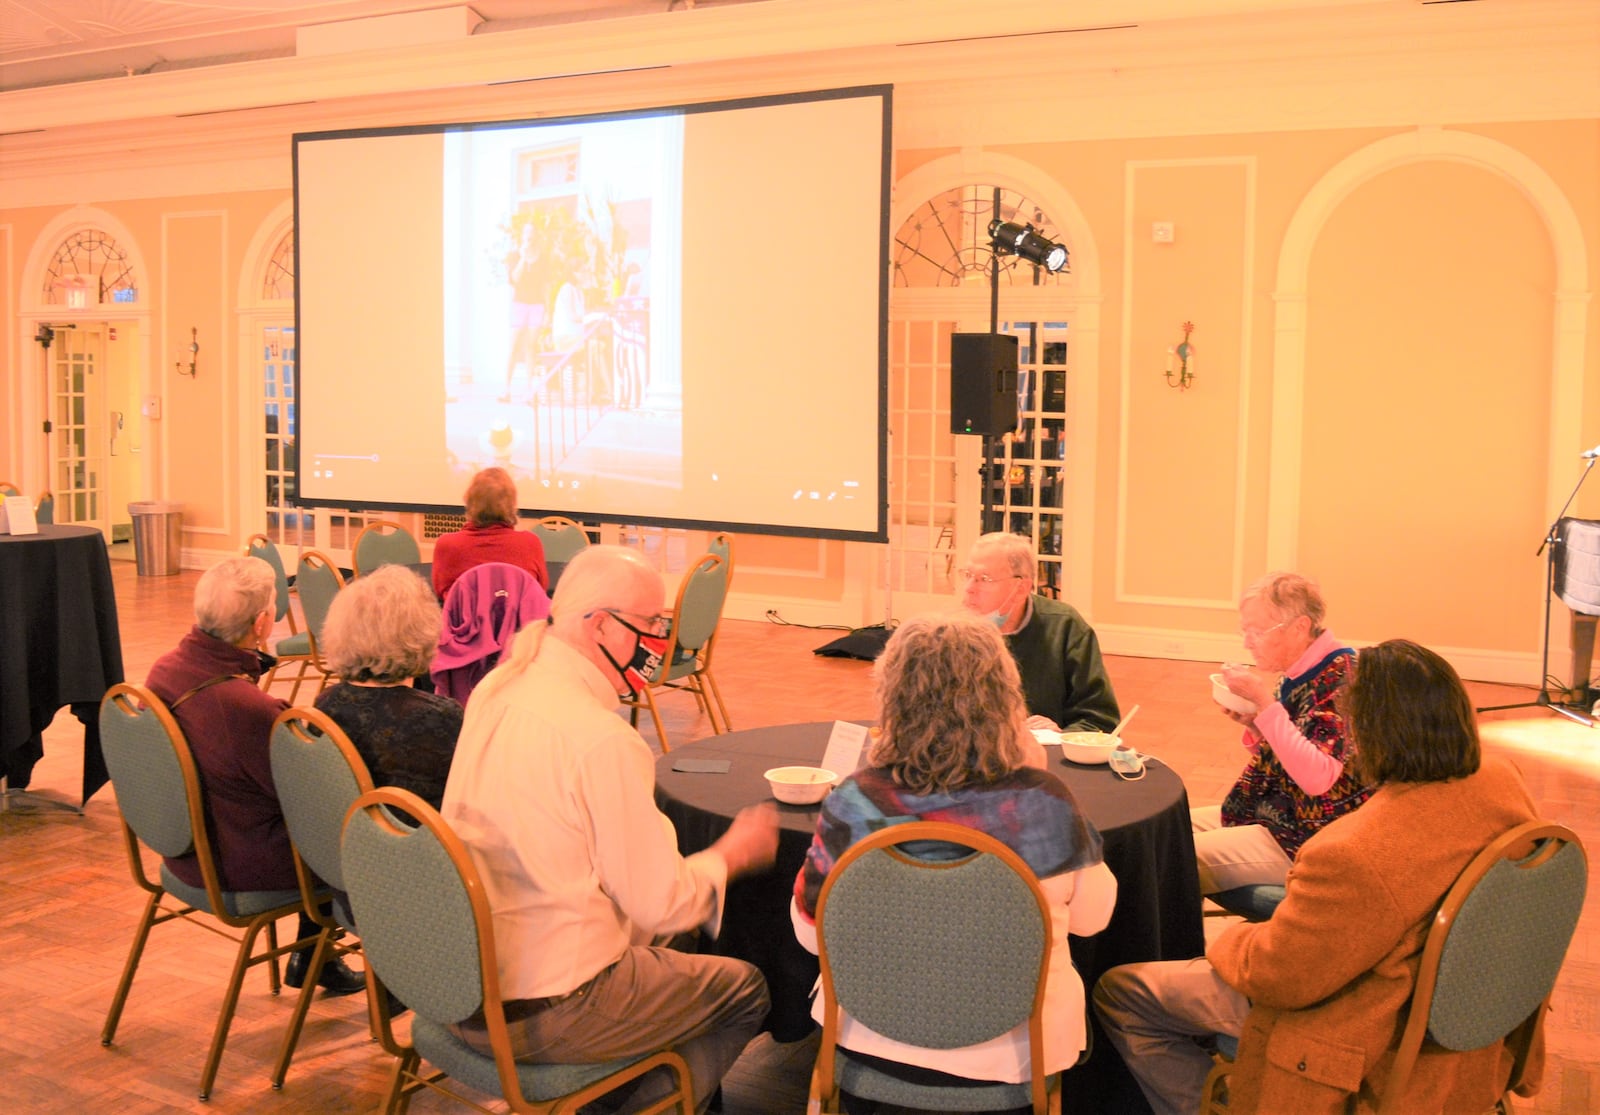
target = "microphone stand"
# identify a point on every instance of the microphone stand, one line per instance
(1552, 539)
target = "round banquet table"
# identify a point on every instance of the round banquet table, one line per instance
(59, 644)
(1149, 847)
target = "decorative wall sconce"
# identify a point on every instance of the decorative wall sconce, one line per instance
(1180, 361)
(194, 353)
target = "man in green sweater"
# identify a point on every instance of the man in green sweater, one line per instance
(1055, 649)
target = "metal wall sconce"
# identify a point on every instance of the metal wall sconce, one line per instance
(1180, 358)
(194, 353)
(1024, 241)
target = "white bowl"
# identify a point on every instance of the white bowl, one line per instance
(1088, 747)
(1228, 699)
(800, 785)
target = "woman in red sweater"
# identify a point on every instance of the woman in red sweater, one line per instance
(491, 534)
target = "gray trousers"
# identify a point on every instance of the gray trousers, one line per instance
(1154, 1013)
(706, 1008)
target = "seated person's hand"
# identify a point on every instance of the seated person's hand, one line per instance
(1247, 683)
(1044, 722)
(751, 842)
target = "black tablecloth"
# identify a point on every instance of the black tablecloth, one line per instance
(1149, 847)
(58, 644)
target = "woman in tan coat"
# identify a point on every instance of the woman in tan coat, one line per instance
(1316, 993)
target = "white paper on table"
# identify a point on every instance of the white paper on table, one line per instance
(1046, 735)
(845, 742)
(16, 516)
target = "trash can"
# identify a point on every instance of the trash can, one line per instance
(157, 536)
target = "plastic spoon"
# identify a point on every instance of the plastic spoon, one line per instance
(1123, 723)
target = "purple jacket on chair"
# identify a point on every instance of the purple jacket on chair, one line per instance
(487, 605)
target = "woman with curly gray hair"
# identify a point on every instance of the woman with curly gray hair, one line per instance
(380, 633)
(953, 745)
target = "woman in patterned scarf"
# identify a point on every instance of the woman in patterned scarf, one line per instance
(953, 745)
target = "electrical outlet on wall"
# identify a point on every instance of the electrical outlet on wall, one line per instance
(150, 406)
(1163, 232)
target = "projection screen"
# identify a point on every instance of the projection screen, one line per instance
(674, 316)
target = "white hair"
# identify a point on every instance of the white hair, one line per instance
(231, 594)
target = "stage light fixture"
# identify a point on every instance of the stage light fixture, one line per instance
(1024, 241)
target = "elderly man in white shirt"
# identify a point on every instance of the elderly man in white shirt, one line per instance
(553, 793)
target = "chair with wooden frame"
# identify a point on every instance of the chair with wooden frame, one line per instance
(686, 663)
(1489, 963)
(159, 796)
(562, 538)
(297, 645)
(317, 581)
(318, 775)
(384, 542)
(428, 936)
(7, 488)
(972, 973)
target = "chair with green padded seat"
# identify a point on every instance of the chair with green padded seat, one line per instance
(973, 973)
(384, 543)
(158, 793)
(428, 937)
(44, 513)
(686, 663)
(297, 645)
(1488, 966)
(318, 775)
(562, 538)
(317, 581)
(7, 488)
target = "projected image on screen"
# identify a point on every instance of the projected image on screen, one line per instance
(561, 366)
(673, 316)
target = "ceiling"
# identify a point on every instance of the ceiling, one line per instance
(56, 42)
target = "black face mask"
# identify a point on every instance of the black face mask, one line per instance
(648, 651)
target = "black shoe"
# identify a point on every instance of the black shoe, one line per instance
(336, 978)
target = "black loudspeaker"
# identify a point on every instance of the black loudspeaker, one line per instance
(1577, 572)
(983, 383)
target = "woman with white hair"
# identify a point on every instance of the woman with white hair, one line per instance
(1300, 773)
(380, 633)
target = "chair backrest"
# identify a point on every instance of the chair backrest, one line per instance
(44, 512)
(422, 908)
(7, 488)
(971, 974)
(699, 605)
(318, 581)
(260, 546)
(1495, 947)
(722, 545)
(158, 785)
(150, 767)
(563, 539)
(384, 543)
(318, 774)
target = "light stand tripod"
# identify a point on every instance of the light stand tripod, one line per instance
(1552, 539)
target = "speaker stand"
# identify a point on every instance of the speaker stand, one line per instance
(1552, 539)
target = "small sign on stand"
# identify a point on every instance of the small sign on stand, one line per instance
(16, 516)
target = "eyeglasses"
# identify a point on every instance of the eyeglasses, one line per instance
(967, 574)
(657, 625)
(1258, 632)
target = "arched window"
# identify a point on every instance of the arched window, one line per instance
(945, 242)
(87, 269)
(942, 259)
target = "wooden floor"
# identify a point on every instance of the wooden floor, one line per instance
(67, 905)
